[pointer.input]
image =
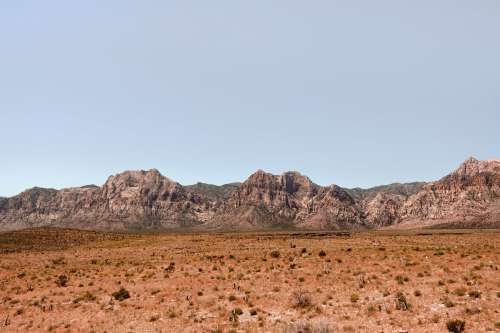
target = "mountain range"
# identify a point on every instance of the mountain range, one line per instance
(147, 200)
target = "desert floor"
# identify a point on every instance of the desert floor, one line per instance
(401, 281)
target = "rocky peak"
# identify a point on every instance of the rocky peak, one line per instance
(263, 187)
(289, 182)
(261, 179)
(151, 184)
(468, 191)
(472, 167)
(294, 182)
(136, 178)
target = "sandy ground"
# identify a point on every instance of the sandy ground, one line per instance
(370, 282)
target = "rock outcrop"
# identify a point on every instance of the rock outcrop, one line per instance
(130, 200)
(141, 200)
(381, 204)
(467, 192)
(383, 209)
(290, 199)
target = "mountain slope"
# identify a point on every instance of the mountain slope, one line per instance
(469, 192)
(381, 204)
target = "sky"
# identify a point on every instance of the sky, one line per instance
(356, 93)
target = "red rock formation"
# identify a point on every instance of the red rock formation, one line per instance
(383, 209)
(132, 199)
(288, 200)
(466, 192)
(146, 199)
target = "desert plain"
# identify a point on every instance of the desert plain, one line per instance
(63, 280)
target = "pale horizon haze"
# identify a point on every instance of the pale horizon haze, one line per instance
(353, 93)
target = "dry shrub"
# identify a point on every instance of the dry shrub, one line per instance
(301, 299)
(308, 327)
(401, 302)
(455, 326)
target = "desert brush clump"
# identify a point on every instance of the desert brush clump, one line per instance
(121, 295)
(401, 302)
(455, 326)
(301, 299)
(275, 254)
(62, 280)
(86, 297)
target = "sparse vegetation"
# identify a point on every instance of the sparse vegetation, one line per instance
(301, 299)
(455, 326)
(86, 297)
(275, 254)
(121, 294)
(62, 280)
(221, 283)
(401, 302)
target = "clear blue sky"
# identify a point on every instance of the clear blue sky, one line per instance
(356, 93)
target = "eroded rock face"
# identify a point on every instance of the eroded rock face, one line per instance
(466, 192)
(266, 199)
(130, 200)
(289, 199)
(383, 209)
(283, 194)
(148, 200)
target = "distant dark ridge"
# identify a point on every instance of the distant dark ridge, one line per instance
(404, 189)
(213, 192)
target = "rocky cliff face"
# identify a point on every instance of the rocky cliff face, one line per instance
(130, 200)
(290, 199)
(467, 192)
(381, 204)
(470, 193)
(147, 200)
(383, 209)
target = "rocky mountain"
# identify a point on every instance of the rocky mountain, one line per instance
(130, 200)
(142, 200)
(290, 199)
(472, 191)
